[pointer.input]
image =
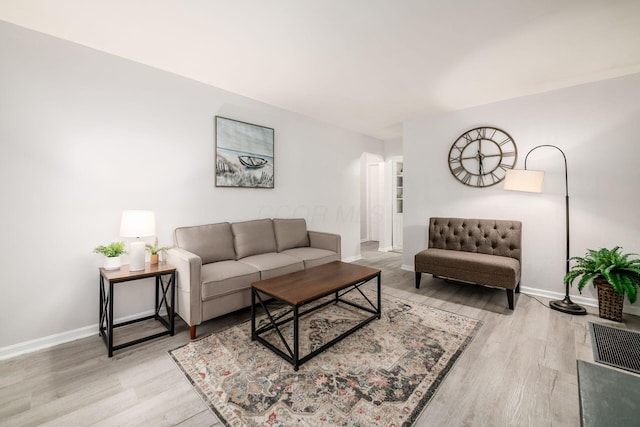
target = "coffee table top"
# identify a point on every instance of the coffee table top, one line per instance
(308, 285)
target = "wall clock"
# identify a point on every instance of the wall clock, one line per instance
(480, 157)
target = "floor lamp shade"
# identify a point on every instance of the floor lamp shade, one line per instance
(136, 224)
(524, 180)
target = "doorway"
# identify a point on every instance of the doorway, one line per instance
(374, 202)
(371, 196)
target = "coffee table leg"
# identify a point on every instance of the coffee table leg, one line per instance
(296, 354)
(379, 296)
(253, 314)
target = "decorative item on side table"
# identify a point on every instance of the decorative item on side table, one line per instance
(531, 181)
(112, 254)
(155, 250)
(137, 224)
(480, 157)
(613, 273)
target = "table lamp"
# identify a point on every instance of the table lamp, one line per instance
(137, 224)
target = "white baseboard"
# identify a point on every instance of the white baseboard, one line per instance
(61, 338)
(578, 299)
(385, 249)
(46, 342)
(76, 334)
(87, 331)
(591, 302)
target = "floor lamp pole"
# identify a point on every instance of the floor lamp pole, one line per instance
(565, 305)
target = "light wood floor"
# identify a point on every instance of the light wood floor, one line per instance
(520, 370)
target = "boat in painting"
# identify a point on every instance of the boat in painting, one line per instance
(252, 161)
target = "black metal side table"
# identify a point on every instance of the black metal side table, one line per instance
(165, 276)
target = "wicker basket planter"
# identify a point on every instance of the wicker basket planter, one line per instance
(609, 301)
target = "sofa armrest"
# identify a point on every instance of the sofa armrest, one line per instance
(328, 241)
(189, 288)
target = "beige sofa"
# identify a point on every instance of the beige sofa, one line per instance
(216, 263)
(482, 251)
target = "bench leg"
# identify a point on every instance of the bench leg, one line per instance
(510, 298)
(418, 277)
(518, 288)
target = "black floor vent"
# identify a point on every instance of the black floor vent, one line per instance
(616, 347)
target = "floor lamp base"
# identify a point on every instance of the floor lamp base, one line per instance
(567, 306)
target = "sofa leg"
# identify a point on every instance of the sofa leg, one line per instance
(192, 332)
(510, 298)
(418, 277)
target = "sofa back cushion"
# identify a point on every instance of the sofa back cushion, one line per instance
(211, 242)
(290, 233)
(253, 237)
(485, 236)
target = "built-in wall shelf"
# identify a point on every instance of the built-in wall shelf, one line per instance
(399, 190)
(398, 203)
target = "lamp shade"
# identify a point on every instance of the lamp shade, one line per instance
(524, 180)
(138, 224)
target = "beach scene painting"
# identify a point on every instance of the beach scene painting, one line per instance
(244, 154)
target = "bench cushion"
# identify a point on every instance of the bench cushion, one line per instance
(492, 270)
(485, 236)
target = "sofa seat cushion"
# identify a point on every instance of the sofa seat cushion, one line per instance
(226, 277)
(313, 256)
(492, 270)
(273, 264)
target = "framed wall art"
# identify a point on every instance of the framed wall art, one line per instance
(244, 154)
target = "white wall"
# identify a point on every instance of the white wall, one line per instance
(392, 148)
(86, 135)
(597, 126)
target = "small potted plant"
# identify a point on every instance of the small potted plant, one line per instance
(613, 273)
(154, 250)
(112, 254)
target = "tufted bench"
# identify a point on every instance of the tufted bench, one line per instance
(483, 251)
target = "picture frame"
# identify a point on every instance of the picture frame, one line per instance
(244, 154)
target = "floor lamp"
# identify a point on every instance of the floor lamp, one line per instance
(531, 181)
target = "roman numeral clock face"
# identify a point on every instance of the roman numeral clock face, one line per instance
(480, 157)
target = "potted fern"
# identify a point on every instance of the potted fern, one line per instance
(613, 273)
(112, 253)
(155, 250)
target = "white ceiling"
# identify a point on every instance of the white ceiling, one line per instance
(366, 65)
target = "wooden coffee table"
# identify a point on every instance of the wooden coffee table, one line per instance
(302, 288)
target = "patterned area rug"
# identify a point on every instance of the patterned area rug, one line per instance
(382, 375)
